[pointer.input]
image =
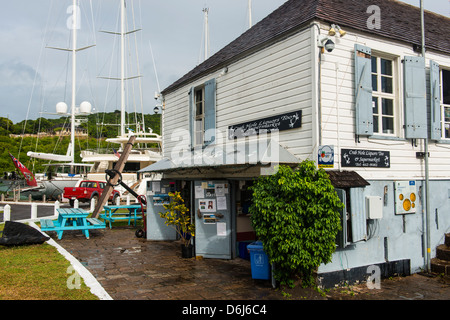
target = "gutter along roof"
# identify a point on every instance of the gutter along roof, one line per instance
(399, 21)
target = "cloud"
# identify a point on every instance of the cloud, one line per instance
(16, 73)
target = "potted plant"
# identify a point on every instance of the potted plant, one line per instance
(177, 216)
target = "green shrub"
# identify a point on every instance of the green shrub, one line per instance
(295, 214)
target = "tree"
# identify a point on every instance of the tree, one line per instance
(295, 214)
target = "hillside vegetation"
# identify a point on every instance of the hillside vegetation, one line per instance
(23, 136)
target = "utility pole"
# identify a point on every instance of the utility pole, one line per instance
(427, 169)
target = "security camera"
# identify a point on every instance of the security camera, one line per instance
(325, 43)
(329, 45)
(157, 95)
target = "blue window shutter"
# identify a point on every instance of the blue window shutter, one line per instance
(435, 105)
(415, 98)
(358, 212)
(191, 115)
(210, 111)
(363, 90)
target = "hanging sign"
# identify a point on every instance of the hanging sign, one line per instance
(280, 122)
(365, 158)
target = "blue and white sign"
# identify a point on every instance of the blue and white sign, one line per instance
(325, 157)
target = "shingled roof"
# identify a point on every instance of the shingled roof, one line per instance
(399, 21)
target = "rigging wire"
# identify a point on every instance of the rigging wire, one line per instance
(34, 81)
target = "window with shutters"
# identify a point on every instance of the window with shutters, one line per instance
(202, 114)
(445, 102)
(199, 105)
(383, 95)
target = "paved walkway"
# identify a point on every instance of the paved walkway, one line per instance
(130, 268)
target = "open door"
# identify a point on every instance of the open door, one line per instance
(212, 219)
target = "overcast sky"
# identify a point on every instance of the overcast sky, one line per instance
(34, 78)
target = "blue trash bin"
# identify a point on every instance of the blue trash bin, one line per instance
(259, 261)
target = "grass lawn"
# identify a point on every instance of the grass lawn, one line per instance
(37, 272)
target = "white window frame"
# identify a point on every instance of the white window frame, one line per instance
(443, 106)
(394, 96)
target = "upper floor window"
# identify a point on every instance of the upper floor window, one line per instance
(445, 102)
(202, 114)
(199, 103)
(383, 95)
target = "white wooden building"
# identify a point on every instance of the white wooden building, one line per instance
(367, 100)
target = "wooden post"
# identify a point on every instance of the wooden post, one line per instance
(119, 167)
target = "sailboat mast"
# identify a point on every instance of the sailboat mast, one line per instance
(74, 74)
(122, 67)
(250, 23)
(206, 11)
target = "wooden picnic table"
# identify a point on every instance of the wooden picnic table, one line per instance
(72, 219)
(112, 215)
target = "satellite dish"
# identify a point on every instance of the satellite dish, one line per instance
(85, 107)
(61, 108)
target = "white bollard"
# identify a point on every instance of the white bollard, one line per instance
(7, 213)
(34, 211)
(56, 207)
(76, 203)
(128, 199)
(118, 201)
(93, 203)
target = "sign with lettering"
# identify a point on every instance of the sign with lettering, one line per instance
(280, 122)
(365, 158)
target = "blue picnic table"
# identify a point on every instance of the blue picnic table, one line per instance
(72, 219)
(112, 215)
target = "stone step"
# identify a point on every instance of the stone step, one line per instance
(443, 252)
(440, 266)
(447, 239)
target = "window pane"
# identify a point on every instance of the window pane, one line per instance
(374, 82)
(374, 64)
(386, 67)
(388, 125)
(198, 138)
(446, 86)
(375, 124)
(375, 105)
(386, 85)
(447, 114)
(198, 95)
(447, 130)
(199, 109)
(388, 107)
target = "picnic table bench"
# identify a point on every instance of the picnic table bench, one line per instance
(72, 219)
(111, 214)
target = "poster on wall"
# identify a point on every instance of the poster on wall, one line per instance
(325, 156)
(207, 205)
(405, 197)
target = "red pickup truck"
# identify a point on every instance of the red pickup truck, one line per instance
(88, 190)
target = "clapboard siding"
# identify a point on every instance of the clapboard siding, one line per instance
(275, 80)
(337, 93)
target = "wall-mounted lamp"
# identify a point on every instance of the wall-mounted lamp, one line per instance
(224, 71)
(333, 29)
